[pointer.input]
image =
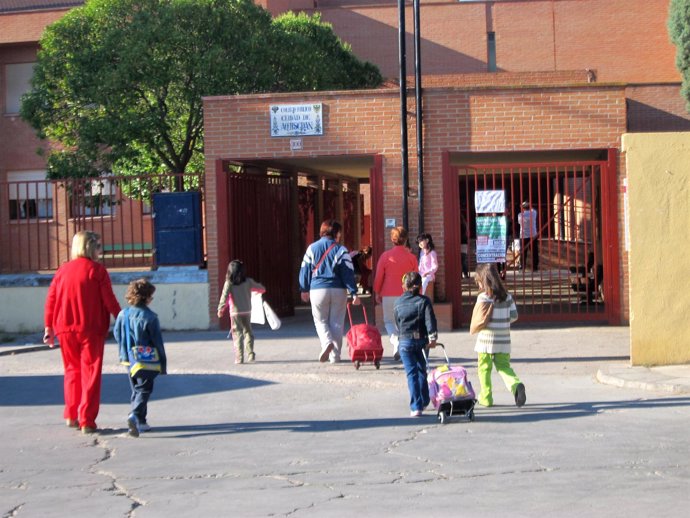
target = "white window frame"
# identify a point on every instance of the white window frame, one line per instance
(102, 189)
(25, 187)
(17, 83)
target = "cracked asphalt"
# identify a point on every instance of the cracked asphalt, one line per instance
(288, 436)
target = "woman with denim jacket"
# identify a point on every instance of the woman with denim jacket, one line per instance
(415, 322)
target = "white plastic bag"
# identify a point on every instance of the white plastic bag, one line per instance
(271, 317)
(258, 316)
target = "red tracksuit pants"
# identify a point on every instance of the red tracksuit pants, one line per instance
(82, 357)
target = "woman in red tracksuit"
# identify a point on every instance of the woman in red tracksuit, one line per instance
(78, 307)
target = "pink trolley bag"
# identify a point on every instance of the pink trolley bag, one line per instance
(364, 341)
(450, 391)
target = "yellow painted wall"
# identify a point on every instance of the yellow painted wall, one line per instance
(658, 169)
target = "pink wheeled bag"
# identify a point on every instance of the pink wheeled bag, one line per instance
(364, 341)
(450, 391)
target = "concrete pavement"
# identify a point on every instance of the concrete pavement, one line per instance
(288, 436)
(672, 379)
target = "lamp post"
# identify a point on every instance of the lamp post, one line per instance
(418, 112)
(402, 60)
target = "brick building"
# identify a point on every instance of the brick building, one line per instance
(526, 96)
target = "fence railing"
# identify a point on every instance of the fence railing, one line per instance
(38, 219)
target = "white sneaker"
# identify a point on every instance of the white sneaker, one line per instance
(325, 352)
(144, 427)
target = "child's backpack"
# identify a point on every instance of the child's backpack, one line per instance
(448, 383)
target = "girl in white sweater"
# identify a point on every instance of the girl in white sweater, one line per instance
(493, 340)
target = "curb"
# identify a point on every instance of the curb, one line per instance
(26, 349)
(653, 386)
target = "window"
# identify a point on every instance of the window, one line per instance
(31, 195)
(491, 51)
(98, 198)
(17, 81)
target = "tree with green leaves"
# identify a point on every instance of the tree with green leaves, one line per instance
(679, 29)
(118, 84)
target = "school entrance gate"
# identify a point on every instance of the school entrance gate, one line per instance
(570, 272)
(270, 213)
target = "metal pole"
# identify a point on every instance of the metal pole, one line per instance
(418, 118)
(402, 59)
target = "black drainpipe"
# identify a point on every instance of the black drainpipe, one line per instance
(418, 102)
(402, 59)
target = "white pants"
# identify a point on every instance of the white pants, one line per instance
(387, 304)
(328, 307)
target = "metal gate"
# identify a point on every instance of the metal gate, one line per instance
(259, 213)
(559, 273)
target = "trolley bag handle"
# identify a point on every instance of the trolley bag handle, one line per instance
(438, 344)
(349, 314)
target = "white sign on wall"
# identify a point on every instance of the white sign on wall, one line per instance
(290, 120)
(486, 202)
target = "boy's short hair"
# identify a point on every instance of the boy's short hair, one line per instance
(139, 291)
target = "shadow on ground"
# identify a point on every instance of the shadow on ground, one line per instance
(48, 389)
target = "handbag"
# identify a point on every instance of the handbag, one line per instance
(257, 316)
(481, 316)
(141, 357)
(271, 316)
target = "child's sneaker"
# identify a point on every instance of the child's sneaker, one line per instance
(520, 396)
(132, 426)
(251, 358)
(144, 427)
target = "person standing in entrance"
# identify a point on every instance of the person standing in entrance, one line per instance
(529, 236)
(326, 277)
(390, 268)
(428, 264)
(77, 311)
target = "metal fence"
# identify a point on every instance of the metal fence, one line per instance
(38, 219)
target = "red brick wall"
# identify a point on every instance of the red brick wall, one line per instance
(656, 108)
(18, 142)
(457, 120)
(26, 27)
(623, 40)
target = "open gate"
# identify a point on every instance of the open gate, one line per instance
(259, 216)
(569, 270)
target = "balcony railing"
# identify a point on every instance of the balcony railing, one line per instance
(38, 219)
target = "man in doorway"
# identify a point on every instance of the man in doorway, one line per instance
(529, 236)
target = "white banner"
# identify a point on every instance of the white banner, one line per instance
(487, 202)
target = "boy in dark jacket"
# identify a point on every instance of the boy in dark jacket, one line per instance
(138, 333)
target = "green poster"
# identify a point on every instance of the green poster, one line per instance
(491, 239)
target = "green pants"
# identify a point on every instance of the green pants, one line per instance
(242, 337)
(502, 363)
